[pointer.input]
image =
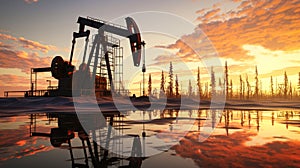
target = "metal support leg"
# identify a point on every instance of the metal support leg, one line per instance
(95, 145)
(108, 137)
(72, 50)
(85, 154)
(85, 49)
(71, 152)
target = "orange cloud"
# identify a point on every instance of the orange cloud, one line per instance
(12, 57)
(191, 48)
(164, 59)
(33, 45)
(201, 11)
(2, 45)
(236, 0)
(31, 1)
(27, 44)
(274, 25)
(7, 37)
(212, 13)
(22, 60)
(244, 4)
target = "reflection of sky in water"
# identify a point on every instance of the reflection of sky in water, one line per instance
(267, 126)
(251, 138)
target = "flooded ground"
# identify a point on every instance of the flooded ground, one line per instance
(169, 138)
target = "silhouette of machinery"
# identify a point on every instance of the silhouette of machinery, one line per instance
(101, 57)
(68, 125)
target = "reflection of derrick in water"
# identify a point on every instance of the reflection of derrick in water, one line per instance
(199, 119)
(213, 118)
(273, 118)
(286, 117)
(95, 148)
(286, 120)
(249, 119)
(225, 114)
(242, 118)
(257, 120)
(226, 121)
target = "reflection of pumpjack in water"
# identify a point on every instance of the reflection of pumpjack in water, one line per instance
(68, 125)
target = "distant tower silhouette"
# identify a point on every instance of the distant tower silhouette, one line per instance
(256, 83)
(213, 82)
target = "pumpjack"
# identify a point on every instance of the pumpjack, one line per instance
(87, 78)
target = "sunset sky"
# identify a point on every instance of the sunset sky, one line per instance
(243, 32)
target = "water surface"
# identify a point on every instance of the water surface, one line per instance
(240, 139)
